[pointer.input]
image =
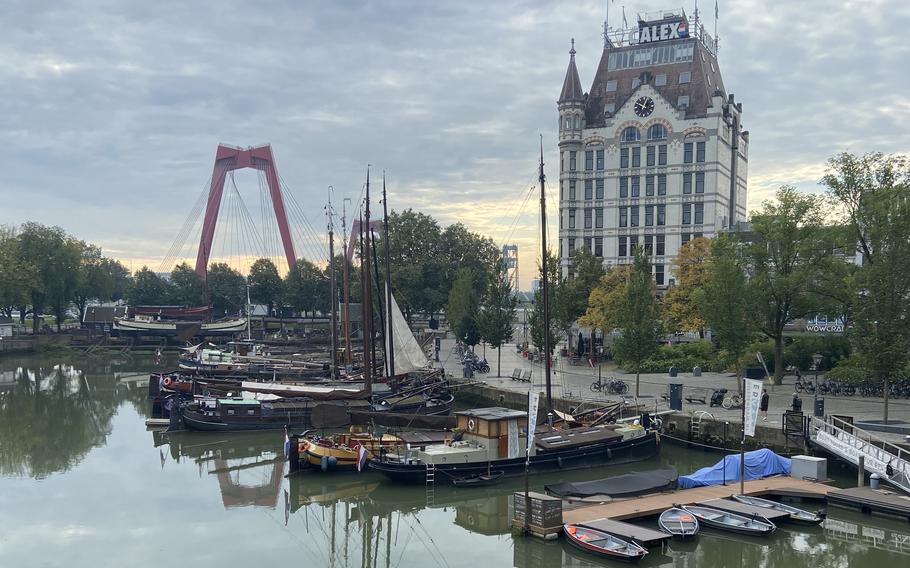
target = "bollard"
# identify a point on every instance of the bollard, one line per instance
(861, 474)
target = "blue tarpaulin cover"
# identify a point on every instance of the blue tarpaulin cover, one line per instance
(759, 464)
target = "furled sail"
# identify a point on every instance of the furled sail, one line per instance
(409, 356)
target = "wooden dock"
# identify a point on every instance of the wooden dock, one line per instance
(866, 500)
(651, 505)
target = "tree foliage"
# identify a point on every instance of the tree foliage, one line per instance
(497, 312)
(639, 318)
(226, 288)
(186, 286)
(265, 283)
(306, 288)
(690, 269)
(571, 294)
(147, 288)
(462, 308)
(536, 317)
(606, 298)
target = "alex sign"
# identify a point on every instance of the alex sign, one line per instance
(648, 33)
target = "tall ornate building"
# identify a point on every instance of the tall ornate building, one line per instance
(654, 153)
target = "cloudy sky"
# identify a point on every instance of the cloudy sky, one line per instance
(110, 111)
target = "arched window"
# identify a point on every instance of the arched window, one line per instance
(657, 132)
(631, 134)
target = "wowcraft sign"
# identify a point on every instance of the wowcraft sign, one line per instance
(662, 31)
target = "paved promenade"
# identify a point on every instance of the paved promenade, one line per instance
(574, 381)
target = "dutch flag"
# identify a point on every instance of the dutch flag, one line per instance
(287, 443)
(362, 457)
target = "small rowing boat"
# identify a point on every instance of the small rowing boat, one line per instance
(797, 515)
(603, 544)
(479, 479)
(678, 523)
(727, 521)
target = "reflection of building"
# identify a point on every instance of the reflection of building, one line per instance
(485, 516)
(236, 494)
(653, 155)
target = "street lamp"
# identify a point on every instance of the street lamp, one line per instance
(817, 360)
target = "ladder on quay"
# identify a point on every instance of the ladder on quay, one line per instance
(431, 484)
(849, 443)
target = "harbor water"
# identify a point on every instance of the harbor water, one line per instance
(83, 483)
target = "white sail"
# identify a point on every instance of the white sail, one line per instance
(409, 356)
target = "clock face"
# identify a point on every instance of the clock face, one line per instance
(644, 106)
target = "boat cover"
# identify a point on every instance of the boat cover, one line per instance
(635, 483)
(759, 464)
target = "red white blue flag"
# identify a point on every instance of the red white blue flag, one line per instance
(362, 457)
(287, 443)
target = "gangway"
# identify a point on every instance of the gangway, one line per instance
(848, 443)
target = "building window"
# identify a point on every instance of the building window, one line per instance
(662, 155)
(572, 158)
(699, 182)
(685, 77)
(611, 86)
(623, 187)
(589, 160)
(624, 158)
(700, 152)
(598, 247)
(636, 82)
(609, 108)
(684, 238)
(699, 213)
(660, 245)
(651, 157)
(661, 184)
(589, 189)
(562, 187)
(600, 159)
(687, 153)
(562, 161)
(661, 215)
(686, 217)
(599, 218)
(588, 244)
(571, 246)
(657, 132)
(636, 157)
(631, 134)
(571, 190)
(649, 215)
(687, 182)
(649, 186)
(633, 244)
(682, 101)
(588, 219)
(623, 216)
(660, 80)
(560, 220)
(571, 218)
(636, 186)
(633, 217)
(659, 274)
(623, 243)
(697, 235)
(649, 245)
(599, 188)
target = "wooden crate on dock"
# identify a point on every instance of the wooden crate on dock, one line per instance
(546, 513)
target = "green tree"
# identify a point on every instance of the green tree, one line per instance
(95, 278)
(187, 287)
(571, 294)
(418, 266)
(536, 319)
(305, 287)
(497, 312)
(55, 256)
(639, 318)
(18, 276)
(690, 268)
(227, 289)
(726, 302)
(606, 298)
(265, 283)
(787, 257)
(148, 289)
(462, 308)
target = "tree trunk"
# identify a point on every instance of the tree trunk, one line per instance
(778, 360)
(637, 381)
(59, 313)
(885, 416)
(499, 361)
(35, 304)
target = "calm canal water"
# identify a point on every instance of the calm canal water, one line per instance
(82, 483)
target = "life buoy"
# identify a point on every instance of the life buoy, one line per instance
(168, 381)
(471, 424)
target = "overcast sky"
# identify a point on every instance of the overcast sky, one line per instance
(110, 112)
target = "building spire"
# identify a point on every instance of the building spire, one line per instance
(571, 87)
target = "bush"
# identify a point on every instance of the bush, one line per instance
(798, 351)
(852, 370)
(685, 356)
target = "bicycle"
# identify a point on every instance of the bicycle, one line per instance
(613, 386)
(732, 401)
(804, 386)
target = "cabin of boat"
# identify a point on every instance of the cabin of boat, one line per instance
(488, 434)
(231, 414)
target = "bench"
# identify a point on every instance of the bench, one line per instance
(694, 398)
(525, 376)
(516, 374)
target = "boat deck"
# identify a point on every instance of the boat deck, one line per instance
(868, 500)
(651, 505)
(732, 506)
(644, 536)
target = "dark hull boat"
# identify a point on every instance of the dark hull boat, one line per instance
(602, 544)
(796, 515)
(479, 480)
(726, 521)
(492, 442)
(238, 415)
(678, 523)
(627, 485)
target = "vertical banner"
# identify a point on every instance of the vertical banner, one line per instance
(751, 400)
(533, 400)
(513, 438)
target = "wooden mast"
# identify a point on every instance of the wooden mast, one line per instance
(390, 341)
(367, 296)
(332, 293)
(348, 352)
(545, 288)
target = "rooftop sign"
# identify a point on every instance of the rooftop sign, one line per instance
(649, 32)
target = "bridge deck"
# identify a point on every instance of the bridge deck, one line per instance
(865, 499)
